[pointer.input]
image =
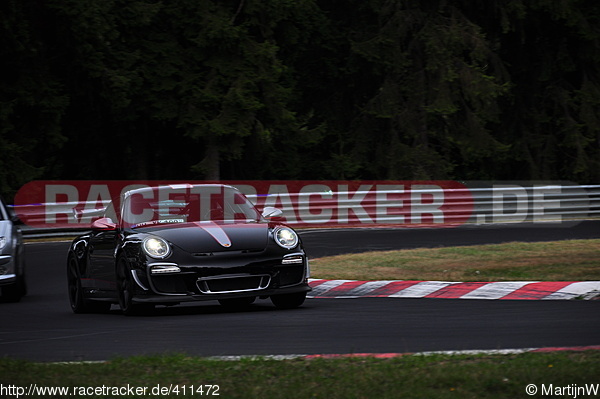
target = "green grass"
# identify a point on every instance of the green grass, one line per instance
(573, 260)
(433, 376)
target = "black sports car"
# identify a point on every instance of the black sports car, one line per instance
(12, 260)
(179, 243)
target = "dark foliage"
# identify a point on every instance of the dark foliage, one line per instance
(303, 89)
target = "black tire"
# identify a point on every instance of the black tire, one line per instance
(15, 291)
(289, 301)
(79, 303)
(22, 285)
(237, 303)
(22, 281)
(126, 291)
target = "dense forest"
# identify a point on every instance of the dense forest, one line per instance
(299, 89)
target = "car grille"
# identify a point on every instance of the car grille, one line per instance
(220, 285)
(169, 284)
(291, 275)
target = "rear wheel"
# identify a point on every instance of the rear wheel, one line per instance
(289, 301)
(126, 291)
(79, 303)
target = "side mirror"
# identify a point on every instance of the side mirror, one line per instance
(270, 212)
(104, 224)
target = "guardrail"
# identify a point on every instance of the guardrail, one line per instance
(513, 203)
(409, 204)
(502, 203)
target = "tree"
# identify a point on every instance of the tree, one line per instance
(206, 74)
(435, 84)
(32, 99)
(305, 89)
(552, 119)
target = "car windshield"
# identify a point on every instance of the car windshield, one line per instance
(4, 211)
(153, 206)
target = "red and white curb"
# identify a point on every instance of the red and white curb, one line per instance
(532, 290)
(459, 352)
(392, 355)
(389, 355)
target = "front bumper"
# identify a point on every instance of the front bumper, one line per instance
(231, 277)
(8, 279)
(7, 270)
(166, 299)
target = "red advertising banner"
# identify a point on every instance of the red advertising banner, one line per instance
(76, 204)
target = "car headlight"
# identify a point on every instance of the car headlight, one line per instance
(286, 237)
(2, 242)
(156, 247)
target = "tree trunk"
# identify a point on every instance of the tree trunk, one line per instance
(211, 162)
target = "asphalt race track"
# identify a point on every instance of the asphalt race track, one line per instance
(41, 327)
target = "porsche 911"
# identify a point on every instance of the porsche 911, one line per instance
(183, 243)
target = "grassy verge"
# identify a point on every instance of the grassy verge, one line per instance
(546, 261)
(434, 376)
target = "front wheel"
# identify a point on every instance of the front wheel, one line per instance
(15, 291)
(125, 290)
(289, 301)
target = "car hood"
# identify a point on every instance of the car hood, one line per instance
(204, 237)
